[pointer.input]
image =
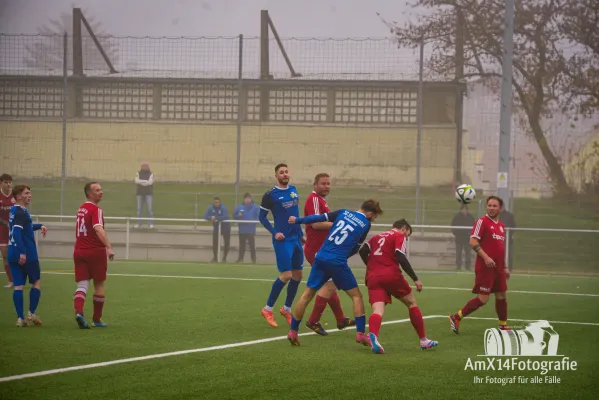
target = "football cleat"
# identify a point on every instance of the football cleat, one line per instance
(33, 318)
(81, 322)
(345, 323)
(270, 319)
(21, 323)
(455, 324)
(286, 314)
(99, 324)
(293, 338)
(363, 339)
(317, 327)
(428, 344)
(375, 345)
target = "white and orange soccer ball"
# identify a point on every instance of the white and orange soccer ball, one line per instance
(465, 194)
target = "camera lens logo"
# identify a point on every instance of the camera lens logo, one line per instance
(537, 339)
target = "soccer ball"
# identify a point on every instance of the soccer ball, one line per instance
(465, 194)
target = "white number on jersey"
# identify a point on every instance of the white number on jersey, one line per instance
(379, 251)
(81, 229)
(341, 232)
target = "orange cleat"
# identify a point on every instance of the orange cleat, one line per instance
(270, 319)
(286, 314)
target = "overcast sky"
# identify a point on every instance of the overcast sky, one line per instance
(299, 18)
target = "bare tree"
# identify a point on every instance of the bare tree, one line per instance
(543, 75)
(47, 51)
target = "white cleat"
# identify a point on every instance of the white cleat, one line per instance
(8, 285)
(34, 319)
(21, 323)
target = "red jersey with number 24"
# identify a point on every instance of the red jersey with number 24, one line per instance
(382, 260)
(88, 217)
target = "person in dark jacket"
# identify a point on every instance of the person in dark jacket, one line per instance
(462, 237)
(217, 213)
(145, 191)
(510, 222)
(248, 211)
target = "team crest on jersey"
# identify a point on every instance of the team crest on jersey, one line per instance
(293, 195)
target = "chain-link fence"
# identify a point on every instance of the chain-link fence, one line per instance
(213, 116)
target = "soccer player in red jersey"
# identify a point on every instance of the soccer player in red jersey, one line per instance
(92, 249)
(491, 274)
(6, 202)
(316, 234)
(382, 254)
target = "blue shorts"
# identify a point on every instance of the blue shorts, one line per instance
(322, 271)
(20, 273)
(290, 254)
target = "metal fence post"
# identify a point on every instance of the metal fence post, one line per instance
(220, 231)
(127, 238)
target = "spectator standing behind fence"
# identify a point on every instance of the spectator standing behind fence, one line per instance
(145, 191)
(248, 211)
(462, 237)
(217, 212)
(510, 222)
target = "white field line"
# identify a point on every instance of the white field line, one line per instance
(223, 347)
(225, 278)
(245, 266)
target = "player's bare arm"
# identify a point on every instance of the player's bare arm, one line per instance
(475, 244)
(104, 239)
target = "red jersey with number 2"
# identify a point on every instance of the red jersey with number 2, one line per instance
(382, 261)
(88, 217)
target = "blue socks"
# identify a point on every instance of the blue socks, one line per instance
(34, 299)
(277, 287)
(295, 324)
(361, 324)
(291, 292)
(17, 298)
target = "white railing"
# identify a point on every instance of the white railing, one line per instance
(127, 220)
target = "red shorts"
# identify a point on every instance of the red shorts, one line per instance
(382, 288)
(3, 235)
(90, 264)
(309, 254)
(489, 280)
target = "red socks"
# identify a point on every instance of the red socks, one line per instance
(472, 305)
(335, 304)
(79, 301)
(98, 306)
(501, 308)
(417, 321)
(319, 305)
(374, 323)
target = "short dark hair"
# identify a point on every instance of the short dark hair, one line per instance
(246, 195)
(17, 190)
(401, 223)
(321, 175)
(6, 178)
(499, 199)
(372, 206)
(88, 188)
(279, 166)
(216, 198)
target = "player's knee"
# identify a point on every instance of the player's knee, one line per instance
(484, 298)
(82, 286)
(285, 276)
(37, 284)
(18, 288)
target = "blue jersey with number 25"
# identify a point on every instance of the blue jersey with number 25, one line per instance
(347, 234)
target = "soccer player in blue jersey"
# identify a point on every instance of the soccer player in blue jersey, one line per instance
(282, 200)
(22, 255)
(347, 234)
